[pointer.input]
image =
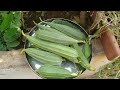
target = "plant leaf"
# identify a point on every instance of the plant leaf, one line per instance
(6, 22)
(3, 14)
(2, 46)
(12, 34)
(17, 19)
(87, 49)
(12, 44)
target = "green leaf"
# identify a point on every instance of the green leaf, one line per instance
(87, 49)
(17, 15)
(2, 46)
(0, 21)
(1, 35)
(17, 19)
(10, 22)
(12, 44)
(12, 34)
(3, 14)
(6, 22)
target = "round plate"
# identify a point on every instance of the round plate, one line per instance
(66, 64)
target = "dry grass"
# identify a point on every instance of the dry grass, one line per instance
(109, 71)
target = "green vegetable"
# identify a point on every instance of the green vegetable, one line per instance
(42, 27)
(59, 49)
(72, 32)
(64, 22)
(44, 56)
(82, 59)
(55, 37)
(55, 72)
(87, 49)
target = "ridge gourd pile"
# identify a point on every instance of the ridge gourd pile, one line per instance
(58, 43)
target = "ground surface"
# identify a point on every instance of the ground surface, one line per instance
(13, 65)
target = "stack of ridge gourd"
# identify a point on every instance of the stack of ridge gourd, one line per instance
(56, 42)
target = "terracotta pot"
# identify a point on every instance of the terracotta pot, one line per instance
(110, 45)
(108, 40)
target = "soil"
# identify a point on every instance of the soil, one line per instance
(31, 16)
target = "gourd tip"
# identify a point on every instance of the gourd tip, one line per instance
(41, 20)
(22, 51)
(74, 74)
(35, 23)
(92, 69)
(23, 34)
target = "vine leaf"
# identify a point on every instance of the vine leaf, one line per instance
(13, 44)
(12, 34)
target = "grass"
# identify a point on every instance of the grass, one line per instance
(111, 19)
(109, 71)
